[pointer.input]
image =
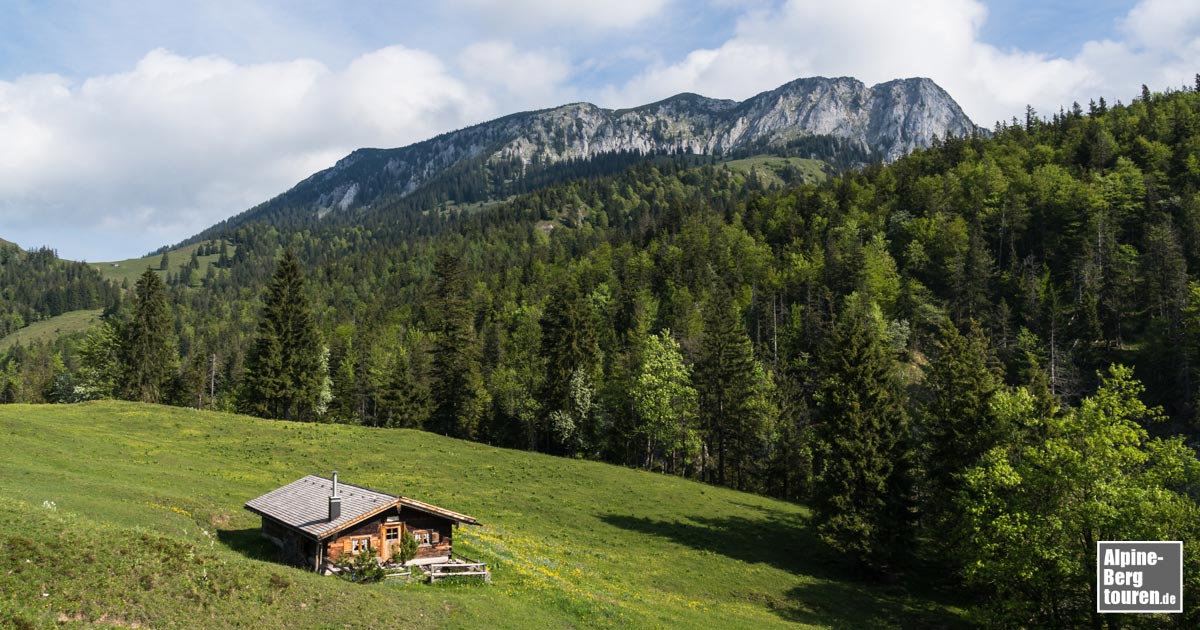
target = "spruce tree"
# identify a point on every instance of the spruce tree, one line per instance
(148, 348)
(457, 388)
(860, 496)
(730, 385)
(569, 345)
(284, 378)
(960, 424)
(404, 403)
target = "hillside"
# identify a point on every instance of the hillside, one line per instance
(131, 268)
(839, 120)
(781, 171)
(121, 514)
(50, 329)
(37, 285)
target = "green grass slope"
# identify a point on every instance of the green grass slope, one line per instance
(768, 169)
(131, 268)
(119, 514)
(53, 328)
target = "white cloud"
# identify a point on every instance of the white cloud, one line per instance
(515, 77)
(940, 39)
(1163, 24)
(178, 143)
(535, 15)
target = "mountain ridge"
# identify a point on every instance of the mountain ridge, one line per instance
(881, 122)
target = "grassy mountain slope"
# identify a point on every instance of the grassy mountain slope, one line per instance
(121, 514)
(50, 329)
(131, 268)
(773, 169)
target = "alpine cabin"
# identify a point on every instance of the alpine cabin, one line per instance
(315, 521)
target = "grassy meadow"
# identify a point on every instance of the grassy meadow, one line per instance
(122, 515)
(50, 329)
(768, 167)
(131, 268)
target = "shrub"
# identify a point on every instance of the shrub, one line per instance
(361, 567)
(406, 549)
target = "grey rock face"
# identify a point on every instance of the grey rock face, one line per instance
(888, 120)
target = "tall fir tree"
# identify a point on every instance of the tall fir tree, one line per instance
(457, 391)
(404, 403)
(731, 388)
(284, 375)
(148, 348)
(860, 495)
(569, 345)
(957, 417)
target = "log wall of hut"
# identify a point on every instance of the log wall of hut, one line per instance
(439, 533)
(296, 549)
(439, 544)
(369, 530)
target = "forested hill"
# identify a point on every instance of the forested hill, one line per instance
(839, 120)
(915, 349)
(37, 285)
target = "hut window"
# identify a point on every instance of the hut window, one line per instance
(422, 536)
(359, 544)
(392, 533)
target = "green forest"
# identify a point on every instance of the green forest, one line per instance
(982, 358)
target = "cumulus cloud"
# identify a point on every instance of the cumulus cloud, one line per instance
(534, 15)
(940, 39)
(516, 78)
(178, 143)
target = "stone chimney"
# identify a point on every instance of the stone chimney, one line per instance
(335, 501)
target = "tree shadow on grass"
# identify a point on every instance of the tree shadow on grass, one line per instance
(783, 540)
(250, 543)
(837, 593)
(850, 606)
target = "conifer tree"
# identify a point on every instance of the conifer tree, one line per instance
(568, 343)
(148, 348)
(860, 496)
(100, 361)
(731, 388)
(345, 400)
(457, 389)
(404, 403)
(284, 378)
(960, 425)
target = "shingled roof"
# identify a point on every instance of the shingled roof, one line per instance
(433, 509)
(304, 505)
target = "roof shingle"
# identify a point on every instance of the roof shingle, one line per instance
(304, 505)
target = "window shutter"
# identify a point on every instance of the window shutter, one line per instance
(434, 537)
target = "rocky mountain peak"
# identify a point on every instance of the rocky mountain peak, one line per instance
(883, 122)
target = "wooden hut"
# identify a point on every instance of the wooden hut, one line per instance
(316, 521)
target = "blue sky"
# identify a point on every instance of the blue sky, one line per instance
(129, 125)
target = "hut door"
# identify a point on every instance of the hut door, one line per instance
(391, 536)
